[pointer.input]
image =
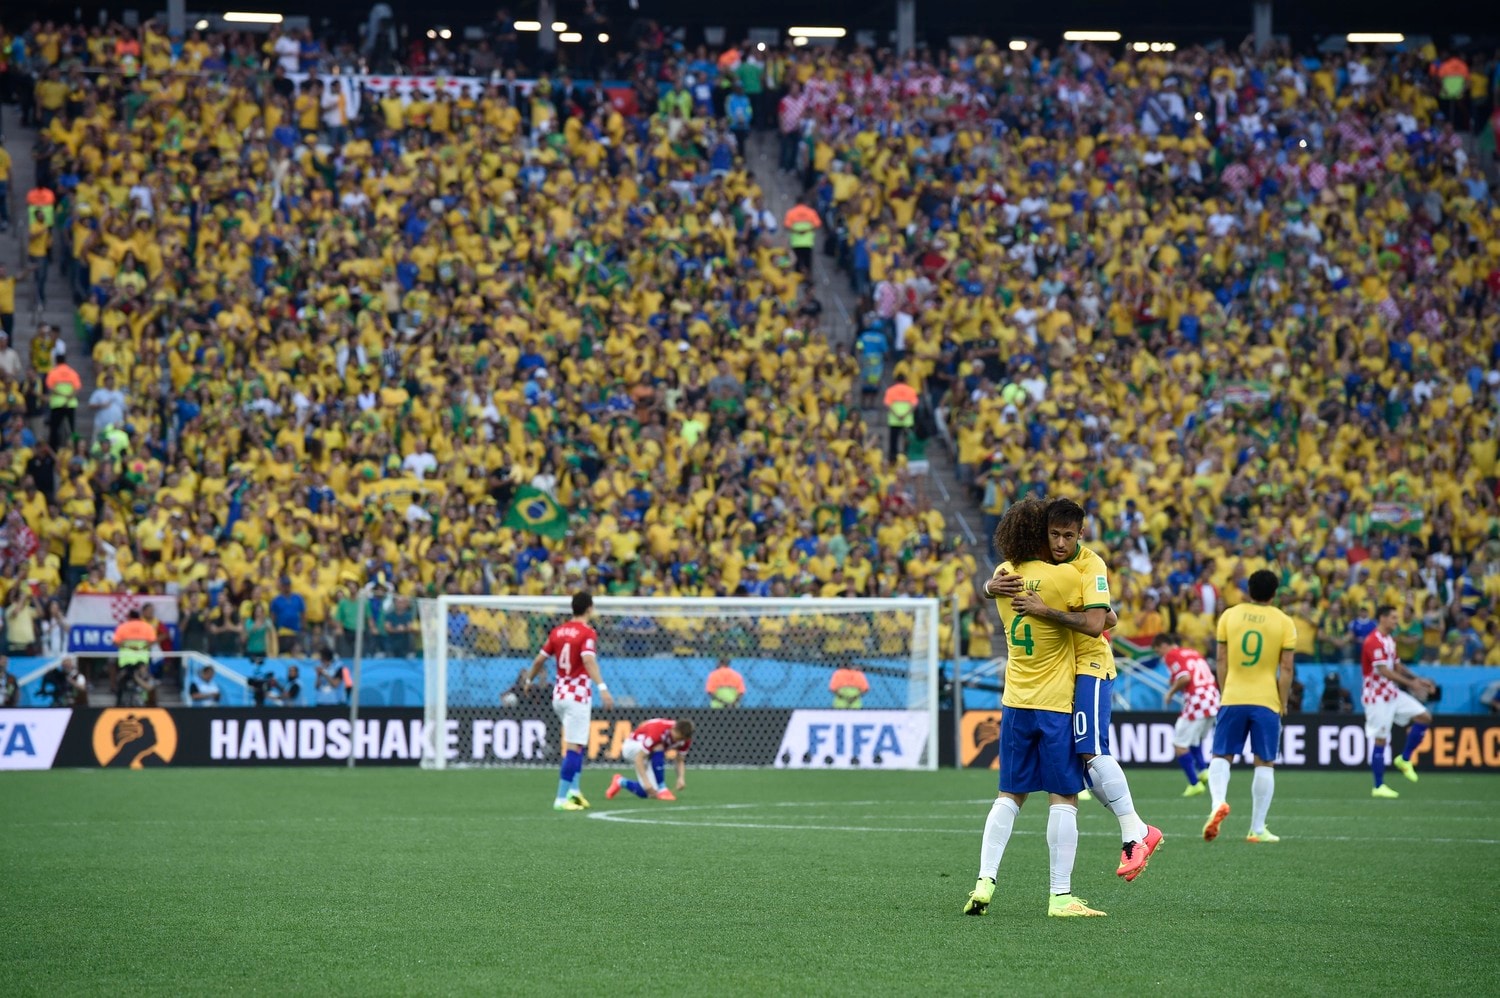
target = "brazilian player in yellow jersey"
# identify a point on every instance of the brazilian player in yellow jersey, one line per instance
(1087, 617)
(1036, 734)
(1256, 642)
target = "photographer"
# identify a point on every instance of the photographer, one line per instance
(264, 686)
(204, 690)
(65, 685)
(333, 682)
(10, 692)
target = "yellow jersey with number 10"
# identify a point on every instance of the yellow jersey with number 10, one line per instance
(1039, 667)
(1095, 657)
(1256, 634)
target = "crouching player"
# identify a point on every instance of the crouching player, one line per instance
(646, 749)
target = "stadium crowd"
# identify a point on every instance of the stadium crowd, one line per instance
(368, 350)
(1245, 307)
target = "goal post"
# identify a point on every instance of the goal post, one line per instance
(656, 655)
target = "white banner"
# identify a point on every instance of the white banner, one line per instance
(404, 86)
(864, 739)
(93, 617)
(29, 739)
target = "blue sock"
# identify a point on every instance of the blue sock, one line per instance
(1198, 758)
(1377, 763)
(659, 768)
(1189, 767)
(1415, 736)
(634, 788)
(572, 765)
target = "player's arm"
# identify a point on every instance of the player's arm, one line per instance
(536, 668)
(1091, 621)
(1111, 619)
(1285, 673)
(591, 666)
(681, 770)
(1178, 685)
(1221, 664)
(1399, 674)
(1004, 584)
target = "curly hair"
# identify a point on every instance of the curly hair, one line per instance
(1022, 533)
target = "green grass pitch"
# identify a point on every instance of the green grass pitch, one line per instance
(371, 882)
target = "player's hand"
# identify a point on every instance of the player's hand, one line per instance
(1028, 603)
(682, 784)
(607, 698)
(1004, 584)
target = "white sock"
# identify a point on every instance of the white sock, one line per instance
(997, 828)
(1062, 845)
(1112, 789)
(1218, 780)
(1261, 792)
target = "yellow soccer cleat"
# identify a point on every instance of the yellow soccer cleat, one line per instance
(566, 805)
(1211, 826)
(1384, 793)
(1068, 906)
(1085, 795)
(1195, 790)
(579, 799)
(1262, 836)
(1406, 769)
(980, 897)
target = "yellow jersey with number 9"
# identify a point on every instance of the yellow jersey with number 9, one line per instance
(1256, 634)
(1039, 667)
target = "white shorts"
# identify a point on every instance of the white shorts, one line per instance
(575, 720)
(1186, 734)
(1379, 717)
(633, 750)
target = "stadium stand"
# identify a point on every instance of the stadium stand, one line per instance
(381, 340)
(1247, 307)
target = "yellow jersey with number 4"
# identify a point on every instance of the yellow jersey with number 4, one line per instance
(1039, 668)
(1095, 657)
(1256, 634)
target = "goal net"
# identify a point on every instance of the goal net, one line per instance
(827, 682)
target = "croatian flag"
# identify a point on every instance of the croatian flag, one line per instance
(93, 617)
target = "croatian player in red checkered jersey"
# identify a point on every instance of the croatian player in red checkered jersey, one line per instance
(646, 749)
(1192, 677)
(574, 645)
(1386, 703)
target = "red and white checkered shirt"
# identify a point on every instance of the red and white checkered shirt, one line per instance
(567, 643)
(1379, 649)
(656, 736)
(1200, 698)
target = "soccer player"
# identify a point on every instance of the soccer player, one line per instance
(1192, 677)
(1256, 642)
(574, 645)
(1093, 691)
(646, 749)
(1386, 703)
(1036, 732)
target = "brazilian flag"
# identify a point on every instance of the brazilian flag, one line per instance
(536, 511)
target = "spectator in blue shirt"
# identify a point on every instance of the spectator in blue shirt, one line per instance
(737, 109)
(288, 611)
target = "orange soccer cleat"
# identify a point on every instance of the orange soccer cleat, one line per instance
(665, 795)
(614, 786)
(1211, 827)
(1135, 855)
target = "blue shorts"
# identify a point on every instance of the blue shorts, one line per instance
(1091, 700)
(1037, 753)
(1261, 725)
